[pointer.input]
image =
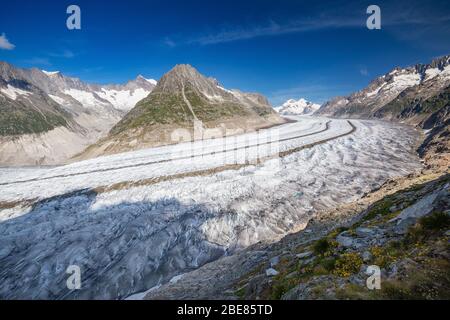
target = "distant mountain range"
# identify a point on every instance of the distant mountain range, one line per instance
(402, 94)
(417, 95)
(47, 117)
(297, 107)
(181, 97)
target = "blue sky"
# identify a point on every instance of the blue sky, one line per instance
(283, 49)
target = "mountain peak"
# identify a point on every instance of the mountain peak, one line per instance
(183, 68)
(140, 77)
(396, 94)
(50, 73)
(183, 76)
(184, 71)
(295, 107)
(441, 62)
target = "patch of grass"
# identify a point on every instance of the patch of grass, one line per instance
(436, 221)
(336, 231)
(354, 292)
(281, 286)
(319, 291)
(431, 283)
(329, 263)
(17, 119)
(240, 293)
(379, 208)
(427, 227)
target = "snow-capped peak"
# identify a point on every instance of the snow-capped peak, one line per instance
(152, 81)
(301, 106)
(50, 73)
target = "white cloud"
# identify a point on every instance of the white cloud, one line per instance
(5, 44)
(395, 18)
(273, 29)
(170, 43)
(363, 71)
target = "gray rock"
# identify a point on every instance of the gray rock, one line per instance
(345, 241)
(307, 261)
(357, 280)
(271, 272)
(392, 271)
(304, 254)
(364, 232)
(274, 261)
(255, 286)
(358, 244)
(393, 208)
(403, 226)
(292, 275)
(420, 208)
(366, 256)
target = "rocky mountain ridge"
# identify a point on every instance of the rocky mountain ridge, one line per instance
(396, 95)
(182, 98)
(48, 117)
(418, 95)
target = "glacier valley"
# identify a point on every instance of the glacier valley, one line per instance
(136, 220)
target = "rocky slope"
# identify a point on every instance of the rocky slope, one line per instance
(405, 233)
(47, 117)
(402, 94)
(297, 107)
(182, 99)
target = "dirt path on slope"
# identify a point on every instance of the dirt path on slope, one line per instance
(188, 103)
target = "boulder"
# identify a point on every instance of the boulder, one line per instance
(366, 256)
(274, 261)
(271, 272)
(364, 232)
(345, 241)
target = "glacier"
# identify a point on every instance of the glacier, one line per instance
(141, 231)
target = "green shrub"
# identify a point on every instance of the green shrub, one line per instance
(321, 246)
(329, 264)
(436, 221)
(427, 227)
